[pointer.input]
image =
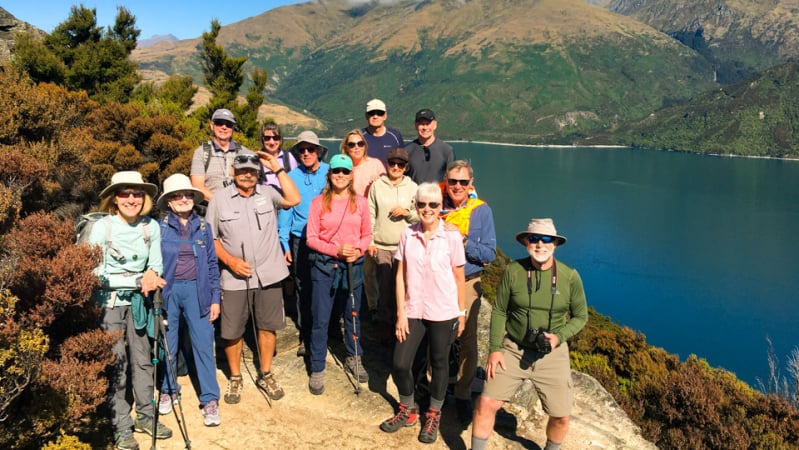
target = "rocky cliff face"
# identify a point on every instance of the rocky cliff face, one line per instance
(9, 27)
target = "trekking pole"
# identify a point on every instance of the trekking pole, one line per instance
(160, 330)
(158, 303)
(255, 334)
(354, 330)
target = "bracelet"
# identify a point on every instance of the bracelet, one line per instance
(277, 172)
(463, 313)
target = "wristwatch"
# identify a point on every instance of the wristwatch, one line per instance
(462, 313)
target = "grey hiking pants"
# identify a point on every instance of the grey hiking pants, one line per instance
(133, 352)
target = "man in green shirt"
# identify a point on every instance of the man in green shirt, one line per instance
(540, 305)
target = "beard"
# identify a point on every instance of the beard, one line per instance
(539, 258)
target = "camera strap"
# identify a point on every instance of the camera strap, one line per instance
(553, 290)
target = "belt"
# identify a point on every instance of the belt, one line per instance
(472, 276)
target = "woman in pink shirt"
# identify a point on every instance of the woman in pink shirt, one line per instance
(431, 299)
(339, 232)
(365, 170)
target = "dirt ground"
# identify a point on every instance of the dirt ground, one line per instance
(339, 419)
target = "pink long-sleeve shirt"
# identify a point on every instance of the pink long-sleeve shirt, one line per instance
(328, 230)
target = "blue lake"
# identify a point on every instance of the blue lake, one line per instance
(698, 253)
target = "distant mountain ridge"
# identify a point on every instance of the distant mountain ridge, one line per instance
(510, 70)
(152, 40)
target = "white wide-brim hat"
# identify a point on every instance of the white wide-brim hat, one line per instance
(128, 178)
(177, 183)
(543, 227)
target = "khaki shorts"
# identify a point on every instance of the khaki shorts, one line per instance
(267, 308)
(550, 374)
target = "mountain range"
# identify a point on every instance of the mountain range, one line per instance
(524, 71)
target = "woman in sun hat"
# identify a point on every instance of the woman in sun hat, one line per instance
(129, 272)
(191, 269)
(339, 232)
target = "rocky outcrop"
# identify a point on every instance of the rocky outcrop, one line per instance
(9, 27)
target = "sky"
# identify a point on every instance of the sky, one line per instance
(182, 18)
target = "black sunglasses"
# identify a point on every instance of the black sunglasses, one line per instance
(223, 123)
(358, 143)
(339, 170)
(125, 193)
(453, 182)
(432, 205)
(400, 164)
(534, 238)
(302, 150)
(376, 113)
(270, 138)
(243, 159)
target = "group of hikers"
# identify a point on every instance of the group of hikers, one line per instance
(400, 223)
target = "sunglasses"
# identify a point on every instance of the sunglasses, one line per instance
(432, 205)
(376, 113)
(182, 195)
(535, 238)
(270, 138)
(453, 182)
(302, 150)
(223, 123)
(243, 159)
(400, 164)
(357, 143)
(126, 193)
(339, 170)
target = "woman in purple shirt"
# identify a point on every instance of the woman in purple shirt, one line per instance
(431, 298)
(191, 269)
(339, 233)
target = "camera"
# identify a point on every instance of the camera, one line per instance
(535, 340)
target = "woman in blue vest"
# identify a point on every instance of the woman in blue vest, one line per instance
(191, 270)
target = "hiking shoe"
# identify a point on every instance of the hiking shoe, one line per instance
(354, 366)
(233, 392)
(429, 433)
(301, 351)
(144, 424)
(124, 440)
(268, 384)
(464, 409)
(405, 417)
(165, 403)
(317, 383)
(211, 414)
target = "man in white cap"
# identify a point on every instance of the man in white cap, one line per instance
(540, 304)
(380, 137)
(210, 165)
(244, 217)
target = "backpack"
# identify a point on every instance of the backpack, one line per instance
(83, 229)
(207, 149)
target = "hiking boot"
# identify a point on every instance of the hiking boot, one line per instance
(165, 403)
(354, 366)
(405, 417)
(317, 383)
(124, 440)
(464, 409)
(301, 351)
(429, 433)
(211, 414)
(268, 384)
(144, 424)
(233, 392)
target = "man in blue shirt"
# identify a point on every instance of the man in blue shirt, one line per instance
(310, 177)
(380, 137)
